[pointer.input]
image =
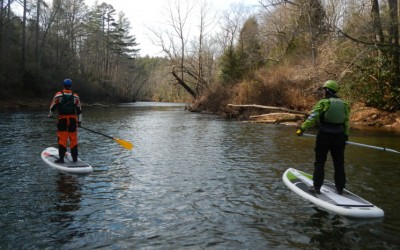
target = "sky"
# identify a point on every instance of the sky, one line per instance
(143, 14)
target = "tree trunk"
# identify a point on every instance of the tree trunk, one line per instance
(184, 85)
(1, 26)
(37, 31)
(23, 44)
(376, 22)
(394, 40)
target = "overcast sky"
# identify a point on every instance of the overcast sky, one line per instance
(149, 13)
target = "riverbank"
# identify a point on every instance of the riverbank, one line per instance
(372, 117)
(361, 116)
(18, 104)
(35, 104)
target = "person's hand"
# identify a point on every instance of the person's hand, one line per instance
(51, 115)
(299, 132)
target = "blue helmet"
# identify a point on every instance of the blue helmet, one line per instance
(67, 82)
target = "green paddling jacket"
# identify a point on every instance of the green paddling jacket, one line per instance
(333, 115)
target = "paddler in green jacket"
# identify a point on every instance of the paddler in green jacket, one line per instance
(333, 115)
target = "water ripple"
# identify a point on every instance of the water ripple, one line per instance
(193, 181)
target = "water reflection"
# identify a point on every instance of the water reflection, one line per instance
(69, 193)
(330, 227)
(66, 206)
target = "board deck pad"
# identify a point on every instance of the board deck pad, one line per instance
(50, 155)
(347, 204)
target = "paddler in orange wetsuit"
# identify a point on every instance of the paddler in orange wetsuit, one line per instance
(69, 118)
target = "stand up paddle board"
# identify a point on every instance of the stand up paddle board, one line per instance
(347, 204)
(50, 155)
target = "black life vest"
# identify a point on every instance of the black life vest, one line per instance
(67, 105)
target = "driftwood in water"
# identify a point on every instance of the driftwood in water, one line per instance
(277, 118)
(269, 115)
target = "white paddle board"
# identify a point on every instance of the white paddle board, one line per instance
(347, 204)
(50, 155)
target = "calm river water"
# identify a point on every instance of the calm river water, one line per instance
(193, 181)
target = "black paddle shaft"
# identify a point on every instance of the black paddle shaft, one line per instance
(97, 133)
(88, 129)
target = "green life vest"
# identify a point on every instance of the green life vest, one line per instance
(67, 105)
(335, 113)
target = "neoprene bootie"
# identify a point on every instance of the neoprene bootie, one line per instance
(61, 153)
(74, 153)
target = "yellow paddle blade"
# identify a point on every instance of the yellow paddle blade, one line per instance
(124, 144)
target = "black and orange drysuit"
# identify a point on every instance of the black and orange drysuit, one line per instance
(68, 105)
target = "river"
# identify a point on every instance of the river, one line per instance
(192, 181)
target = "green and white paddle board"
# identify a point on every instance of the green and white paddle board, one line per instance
(347, 204)
(50, 155)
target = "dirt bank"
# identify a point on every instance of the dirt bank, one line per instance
(372, 117)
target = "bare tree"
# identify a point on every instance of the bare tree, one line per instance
(201, 62)
(231, 22)
(310, 19)
(193, 52)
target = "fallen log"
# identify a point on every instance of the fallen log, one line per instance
(270, 108)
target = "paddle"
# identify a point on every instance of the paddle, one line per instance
(121, 142)
(363, 145)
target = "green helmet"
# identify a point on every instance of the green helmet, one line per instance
(332, 85)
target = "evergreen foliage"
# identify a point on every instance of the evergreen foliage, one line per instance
(92, 47)
(241, 61)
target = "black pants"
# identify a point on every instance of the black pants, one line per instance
(335, 144)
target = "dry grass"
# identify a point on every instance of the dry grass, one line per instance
(276, 88)
(293, 85)
(214, 100)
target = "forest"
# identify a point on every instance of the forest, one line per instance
(276, 54)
